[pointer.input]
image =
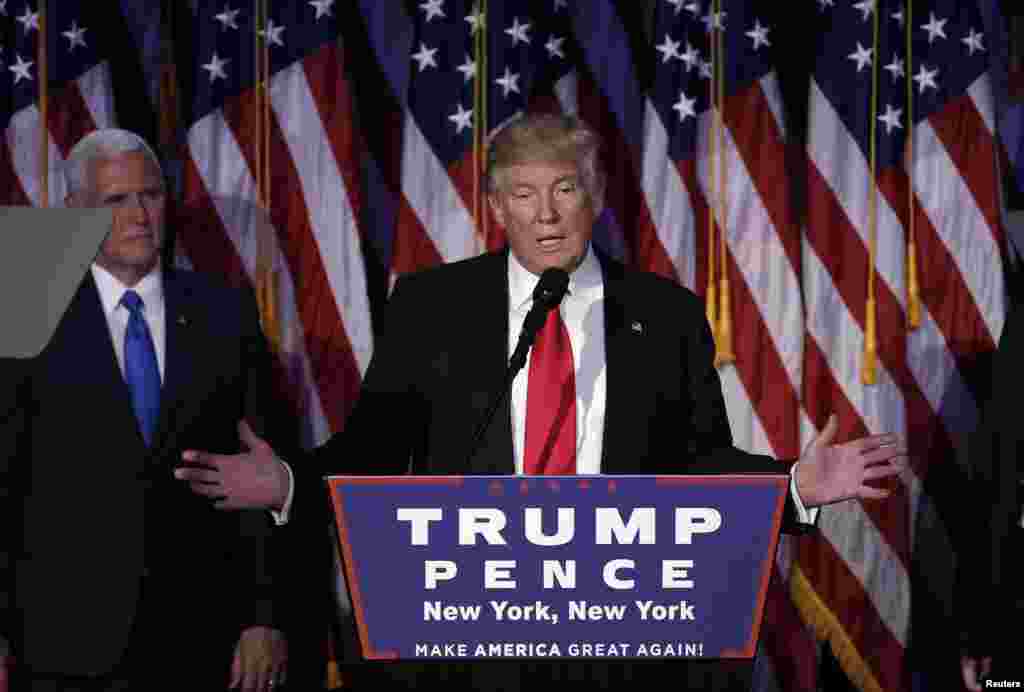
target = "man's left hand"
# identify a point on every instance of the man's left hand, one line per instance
(832, 473)
(261, 660)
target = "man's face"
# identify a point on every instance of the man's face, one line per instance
(547, 214)
(130, 185)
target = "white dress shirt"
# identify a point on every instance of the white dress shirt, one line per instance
(582, 310)
(151, 290)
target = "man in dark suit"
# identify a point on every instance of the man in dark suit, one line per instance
(990, 579)
(629, 355)
(112, 575)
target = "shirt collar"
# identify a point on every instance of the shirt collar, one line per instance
(150, 288)
(521, 281)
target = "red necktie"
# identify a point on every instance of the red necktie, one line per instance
(551, 402)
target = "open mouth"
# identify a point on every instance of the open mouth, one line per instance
(551, 242)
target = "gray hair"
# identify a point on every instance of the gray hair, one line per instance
(102, 144)
(546, 137)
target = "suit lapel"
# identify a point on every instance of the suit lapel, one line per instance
(621, 345)
(490, 334)
(85, 333)
(179, 355)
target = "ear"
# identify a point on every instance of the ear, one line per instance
(597, 195)
(496, 208)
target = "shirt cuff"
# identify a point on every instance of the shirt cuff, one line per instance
(803, 515)
(281, 518)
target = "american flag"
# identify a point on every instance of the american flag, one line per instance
(902, 166)
(714, 177)
(273, 197)
(272, 192)
(78, 96)
(520, 49)
(275, 176)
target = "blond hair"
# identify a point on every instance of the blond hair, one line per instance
(547, 138)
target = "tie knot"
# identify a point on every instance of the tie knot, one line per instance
(132, 301)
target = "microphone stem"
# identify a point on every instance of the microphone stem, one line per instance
(496, 402)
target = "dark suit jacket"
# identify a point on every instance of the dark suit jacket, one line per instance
(990, 589)
(443, 351)
(441, 355)
(88, 509)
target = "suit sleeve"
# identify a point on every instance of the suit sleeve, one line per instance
(988, 574)
(264, 551)
(386, 424)
(711, 445)
(382, 430)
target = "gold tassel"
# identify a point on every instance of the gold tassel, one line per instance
(868, 372)
(723, 342)
(711, 296)
(913, 290)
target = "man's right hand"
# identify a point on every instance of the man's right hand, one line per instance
(254, 479)
(975, 670)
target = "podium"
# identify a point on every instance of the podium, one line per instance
(571, 567)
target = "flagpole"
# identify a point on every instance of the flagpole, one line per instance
(711, 294)
(485, 214)
(44, 110)
(479, 123)
(868, 370)
(724, 351)
(913, 289)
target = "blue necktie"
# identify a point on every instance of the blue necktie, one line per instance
(140, 367)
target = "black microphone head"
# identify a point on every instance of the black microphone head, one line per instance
(552, 287)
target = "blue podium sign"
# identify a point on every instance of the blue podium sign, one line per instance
(570, 567)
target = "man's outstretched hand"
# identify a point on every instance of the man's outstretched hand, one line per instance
(832, 473)
(254, 479)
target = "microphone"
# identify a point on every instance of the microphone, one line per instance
(552, 287)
